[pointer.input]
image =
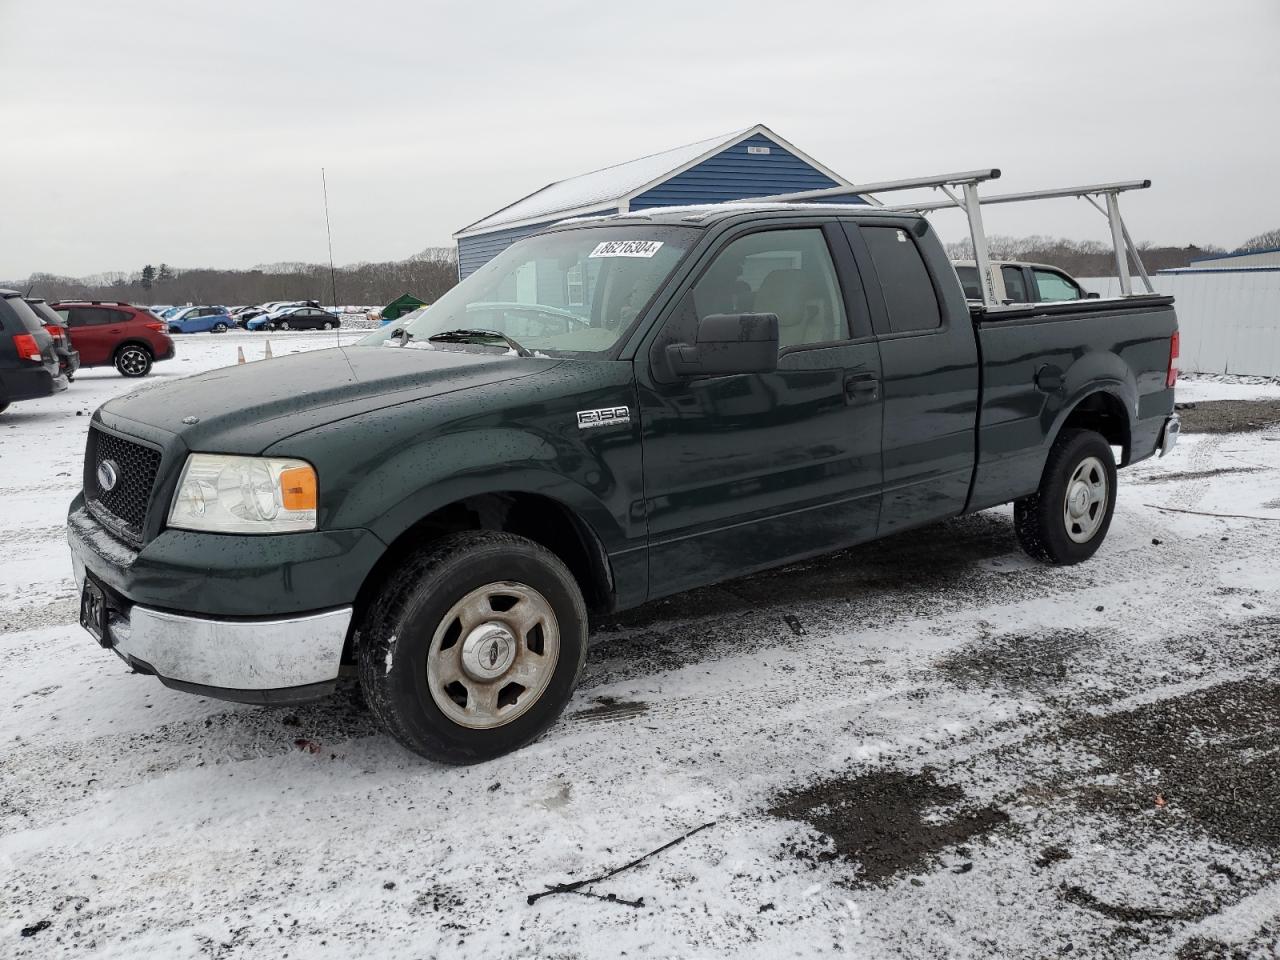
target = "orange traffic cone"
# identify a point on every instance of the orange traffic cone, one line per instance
(239, 354)
(268, 349)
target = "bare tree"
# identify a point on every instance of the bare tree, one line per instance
(427, 274)
(1263, 241)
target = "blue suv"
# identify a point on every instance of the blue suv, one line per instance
(199, 320)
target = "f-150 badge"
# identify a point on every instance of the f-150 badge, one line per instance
(604, 417)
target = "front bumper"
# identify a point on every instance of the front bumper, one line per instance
(277, 660)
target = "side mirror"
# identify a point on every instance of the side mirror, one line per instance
(1092, 295)
(728, 343)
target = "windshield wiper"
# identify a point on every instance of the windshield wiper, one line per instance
(466, 336)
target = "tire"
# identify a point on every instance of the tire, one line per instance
(133, 360)
(1066, 520)
(4, 405)
(327, 325)
(284, 324)
(219, 328)
(425, 678)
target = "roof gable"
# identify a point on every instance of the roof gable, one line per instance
(605, 189)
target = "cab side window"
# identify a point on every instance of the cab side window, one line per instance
(1014, 288)
(908, 290)
(1054, 286)
(785, 272)
(90, 316)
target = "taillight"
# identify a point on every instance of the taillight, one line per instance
(1172, 376)
(27, 347)
(158, 327)
(54, 331)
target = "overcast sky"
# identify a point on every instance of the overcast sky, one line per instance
(143, 131)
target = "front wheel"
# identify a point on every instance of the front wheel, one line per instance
(327, 325)
(284, 324)
(473, 647)
(1066, 520)
(133, 361)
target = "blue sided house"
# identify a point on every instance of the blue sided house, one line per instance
(749, 164)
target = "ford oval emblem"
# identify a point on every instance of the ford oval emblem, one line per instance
(108, 475)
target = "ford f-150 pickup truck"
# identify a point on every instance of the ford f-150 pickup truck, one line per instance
(614, 410)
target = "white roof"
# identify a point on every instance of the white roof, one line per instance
(603, 190)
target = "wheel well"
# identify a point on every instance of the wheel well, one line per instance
(134, 343)
(541, 519)
(1105, 414)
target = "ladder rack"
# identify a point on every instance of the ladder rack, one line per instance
(969, 200)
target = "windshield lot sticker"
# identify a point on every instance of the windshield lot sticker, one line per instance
(626, 248)
(604, 417)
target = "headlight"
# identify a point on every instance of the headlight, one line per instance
(225, 494)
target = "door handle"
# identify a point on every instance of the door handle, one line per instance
(861, 388)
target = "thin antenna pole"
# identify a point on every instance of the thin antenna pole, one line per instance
(333, 280)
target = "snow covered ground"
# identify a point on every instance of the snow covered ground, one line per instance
(925, 747)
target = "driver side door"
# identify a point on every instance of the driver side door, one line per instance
(747, 471)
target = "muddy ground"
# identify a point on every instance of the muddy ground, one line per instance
(1229, 416)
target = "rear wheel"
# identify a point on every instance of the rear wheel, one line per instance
(473, 647)
(1066, 520)
(219, 327)
(133, 360)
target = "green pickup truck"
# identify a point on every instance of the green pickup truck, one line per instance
(615, 410)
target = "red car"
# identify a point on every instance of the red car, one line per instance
(115, 334)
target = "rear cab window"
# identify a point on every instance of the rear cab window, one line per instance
(909, 296)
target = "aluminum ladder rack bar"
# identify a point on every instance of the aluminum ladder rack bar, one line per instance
(966, 180)
(1121, 242)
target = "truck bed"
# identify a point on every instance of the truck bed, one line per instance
(1040, 361)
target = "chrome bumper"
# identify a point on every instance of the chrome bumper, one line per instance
(1169, 435)
(235, 656)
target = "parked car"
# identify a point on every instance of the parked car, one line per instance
(29, 366)
(68, 355)
(1017, 281)
(296, 318)
(440, 505)
(242, 319)
(202, 319)
(108, 333)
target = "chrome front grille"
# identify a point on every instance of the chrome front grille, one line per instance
(119, 479)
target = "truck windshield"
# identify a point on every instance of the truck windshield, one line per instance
(571, 292)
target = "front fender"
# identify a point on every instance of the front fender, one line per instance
(394, 466)
(447, 469)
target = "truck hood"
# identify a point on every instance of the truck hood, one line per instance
(247, 407)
